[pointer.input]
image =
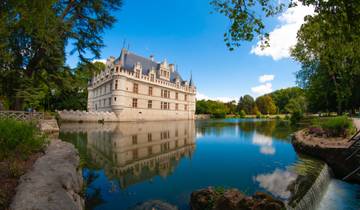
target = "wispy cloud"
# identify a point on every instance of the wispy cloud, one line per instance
(266, 78)
(200, 96)
(283, 37)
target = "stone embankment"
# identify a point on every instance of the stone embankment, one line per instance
(55, 182)
(202, 116)
(335, 152)
(232, 199)
(84, 116)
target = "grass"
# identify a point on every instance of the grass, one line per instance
(19, 138)
(340, 126)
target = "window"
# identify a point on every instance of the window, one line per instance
(136, 88)
(185, 107)
(149, 137)
(176, 106)
(117, 69)
(116, 84)
(162, 93)
(185, 97)
(150, 152)
(114, 98)
(135, 154)
(134, 103)
(150, 91)
(149, 104)
(137, 73)
(109, 101)
(176, 96)
(134, 139)
(152, 77)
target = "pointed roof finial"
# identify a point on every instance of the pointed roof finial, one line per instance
(191, 83)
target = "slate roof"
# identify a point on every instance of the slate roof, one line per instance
(130, 59)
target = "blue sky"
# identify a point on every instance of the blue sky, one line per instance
(186, 33)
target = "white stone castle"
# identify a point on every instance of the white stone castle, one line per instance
(139, 89)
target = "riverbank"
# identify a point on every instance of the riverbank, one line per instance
(334, 151)
(47, 178)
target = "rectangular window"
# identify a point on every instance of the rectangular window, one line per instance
(114, 98)
(134, 139)
(149, 104)
(136, 88)
(162, 93)
(135, 154)
(152, 77)
(116, 84)
(150, 151)
(150, 91)
(149, 137)
(117, 69)
(176, 106)
(185, 107)
(162, 105)
(176, 96)
(109, 101)
(134, 103)
(185, 97)
(137, 73)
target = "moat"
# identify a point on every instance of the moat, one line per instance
(131, 163)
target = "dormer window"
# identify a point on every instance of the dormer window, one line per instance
(152, 77)
(137, 73)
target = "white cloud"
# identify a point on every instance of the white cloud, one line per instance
(265, 143)
(262, 89)
(266, 78)
(277, 182)
(200, 96)
(100, 60)
(283, 37)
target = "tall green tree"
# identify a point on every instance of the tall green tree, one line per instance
(266, 105)
(246, 103)
(33, 37)
(283, 96)
(328, 50)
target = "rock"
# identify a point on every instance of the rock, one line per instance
(202, 199)
(232, 199)
(54, 183)
(154, 204)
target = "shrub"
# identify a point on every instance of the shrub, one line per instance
(19, 137)
(341, 126)
(242, 114)
(296, 117)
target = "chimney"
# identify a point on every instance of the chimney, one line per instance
(171, 67)
(152, 57)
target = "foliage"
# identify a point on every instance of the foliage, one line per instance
(217, 109)
(296, 117)
(297, 104)
(246, 104)
(19, 138)
(266, 105)
(231, 106)
(242, 114)
(283, 97)
(33, 37)
(341, 126)
(245, 23)
(256, 111)
(328, 50)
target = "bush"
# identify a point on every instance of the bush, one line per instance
(19, 138)
(341, 126)
(242, 114)
(296, 117)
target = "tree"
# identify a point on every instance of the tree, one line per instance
(283, 96)
(245, 23)
(328, 50)
(246, 103)
(266, 105)
(33, 37)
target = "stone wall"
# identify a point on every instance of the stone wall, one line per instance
(124, 115)
(76, 116)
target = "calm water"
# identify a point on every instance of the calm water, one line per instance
(131, 163)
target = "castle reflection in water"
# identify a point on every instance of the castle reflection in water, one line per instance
(135, 152)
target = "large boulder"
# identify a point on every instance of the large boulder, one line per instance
(232, 199)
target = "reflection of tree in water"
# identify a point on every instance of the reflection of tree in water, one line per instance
(274, 128)
(92, 195)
